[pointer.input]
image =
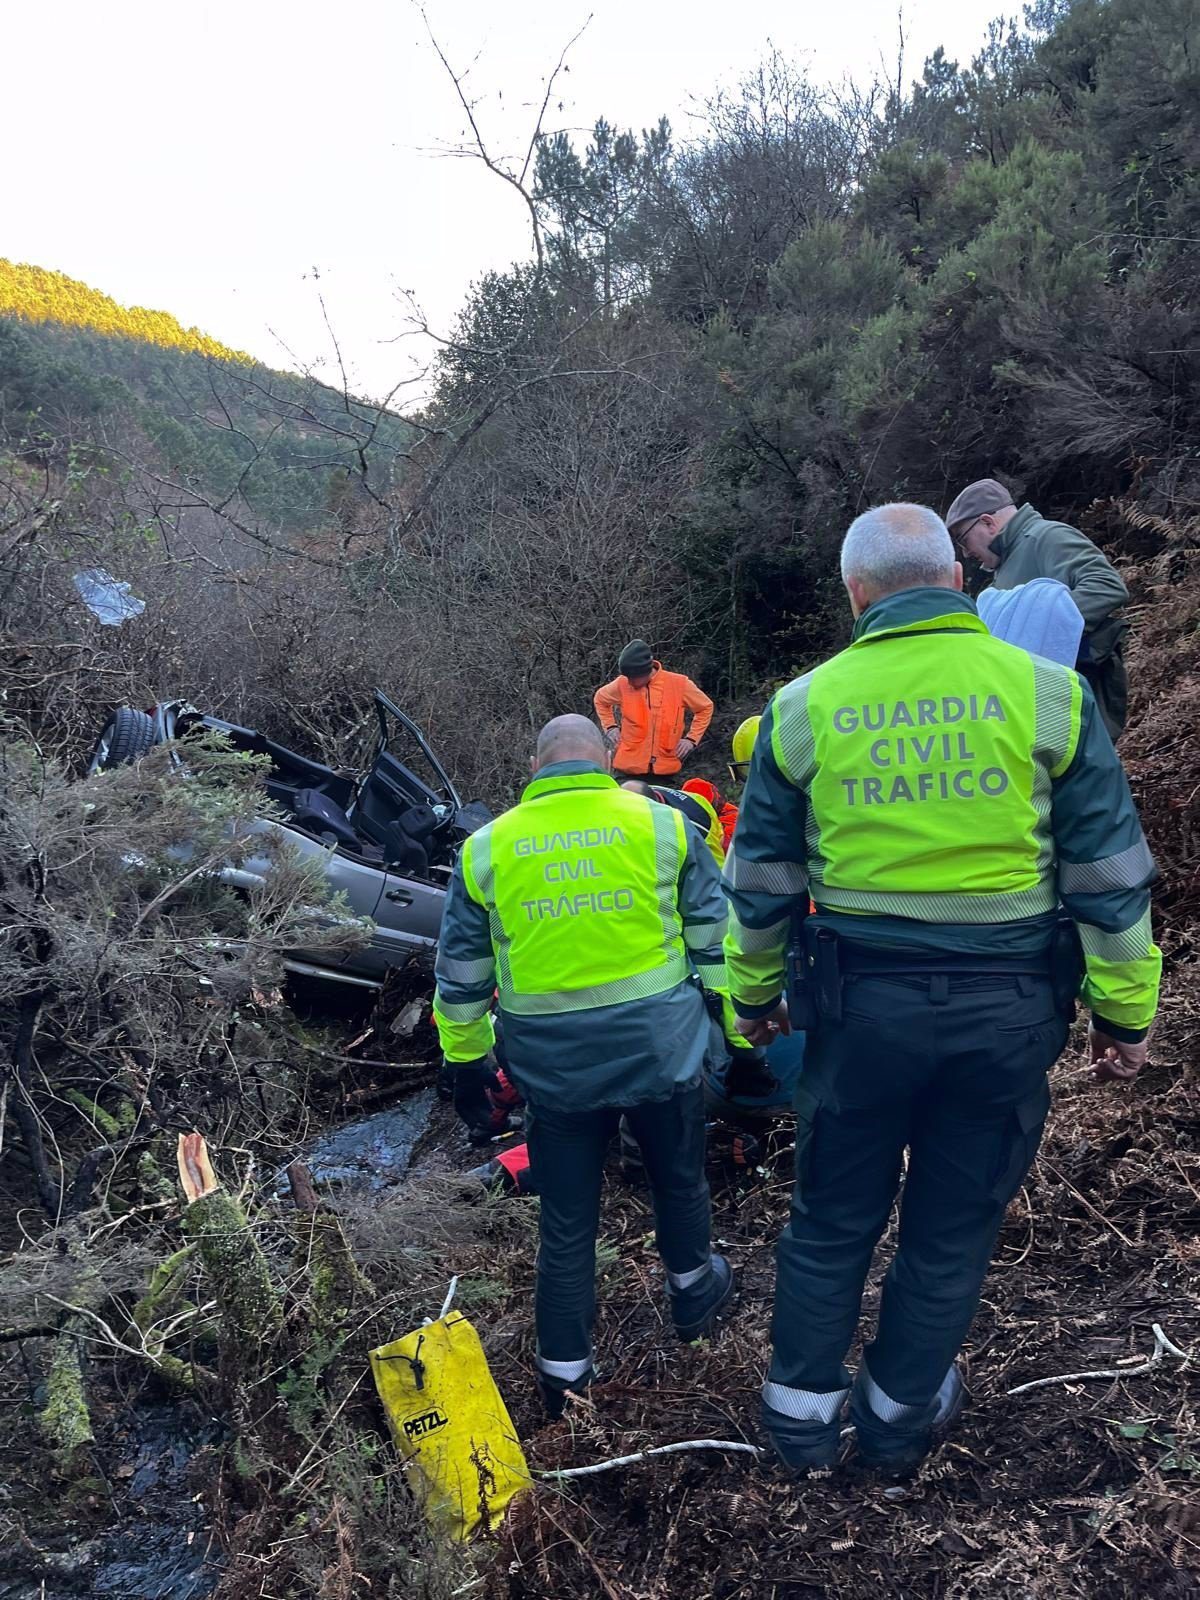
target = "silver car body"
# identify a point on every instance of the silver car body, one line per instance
(356, 825)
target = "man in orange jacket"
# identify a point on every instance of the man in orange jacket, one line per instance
(642, 713)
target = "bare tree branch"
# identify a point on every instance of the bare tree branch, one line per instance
(517, 181)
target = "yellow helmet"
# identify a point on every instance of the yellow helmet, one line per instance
(743, 740)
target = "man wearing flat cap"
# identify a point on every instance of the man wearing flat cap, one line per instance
(1017, 545)
(642, 713)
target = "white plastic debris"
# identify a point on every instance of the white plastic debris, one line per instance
(108, 599)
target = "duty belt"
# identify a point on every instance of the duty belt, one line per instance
(857, 958)
(821, 959)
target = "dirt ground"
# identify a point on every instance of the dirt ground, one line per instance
(1089, 1488)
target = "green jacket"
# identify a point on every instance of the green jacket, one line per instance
(1033, 547)
(592, 911)
(935, 789)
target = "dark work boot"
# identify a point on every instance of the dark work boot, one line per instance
(553, 1389)
(893, 1438)
(811, 1439)
(695, 1304)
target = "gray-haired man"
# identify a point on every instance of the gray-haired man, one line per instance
(945, 801)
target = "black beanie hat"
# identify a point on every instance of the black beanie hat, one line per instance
(636, 659)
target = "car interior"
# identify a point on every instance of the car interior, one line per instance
(390, 816)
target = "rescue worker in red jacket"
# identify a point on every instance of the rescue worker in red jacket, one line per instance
(642, 714)
(726, 813)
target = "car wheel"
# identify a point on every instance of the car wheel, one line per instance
(127, 735)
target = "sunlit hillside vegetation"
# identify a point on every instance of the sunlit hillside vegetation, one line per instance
(85, 379)
(39, 295)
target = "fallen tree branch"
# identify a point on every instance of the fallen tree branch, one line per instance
(655, 1450)
(1085, 1202)
(118, 1344)
(1162, 1345)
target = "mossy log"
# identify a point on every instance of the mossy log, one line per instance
(152, 1180)
(250, 1303)
(337, 1285)
(162, 1296)
(66, 1420)
(111, 1125)
(164, 1289)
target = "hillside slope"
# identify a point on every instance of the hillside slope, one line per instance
(1081, 1489)
(39, 295)
(76, 366)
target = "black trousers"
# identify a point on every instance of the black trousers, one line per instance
(953, 1068)
(1109, 682)
(566, 1152)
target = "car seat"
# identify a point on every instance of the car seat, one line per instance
(406, 841)
(316, 813)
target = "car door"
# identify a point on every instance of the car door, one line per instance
(360, 882)
(408, 919)
(361, 885)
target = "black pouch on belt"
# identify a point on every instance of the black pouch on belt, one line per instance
(1066, 966)
(829, 974)
(816, 991)
(803, 1011)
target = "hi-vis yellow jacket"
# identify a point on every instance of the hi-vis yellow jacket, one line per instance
(934, 788)
(592, 911)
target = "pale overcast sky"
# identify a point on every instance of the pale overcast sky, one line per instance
(204, 157)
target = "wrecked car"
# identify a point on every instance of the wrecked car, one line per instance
(389, 834)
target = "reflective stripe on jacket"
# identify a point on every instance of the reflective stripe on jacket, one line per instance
(939, 789)
(652, 719)
(589, 908)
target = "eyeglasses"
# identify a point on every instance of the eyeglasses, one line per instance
(960, 539)
(739, 771)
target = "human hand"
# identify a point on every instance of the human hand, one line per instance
(471, 1099)
(612, 737)
(1114, 1061)
(748, 1077)
(684, 749)
(762, 1030)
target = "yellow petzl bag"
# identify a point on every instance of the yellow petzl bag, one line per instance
(450, 1425)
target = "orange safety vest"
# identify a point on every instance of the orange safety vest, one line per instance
(652, 719)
